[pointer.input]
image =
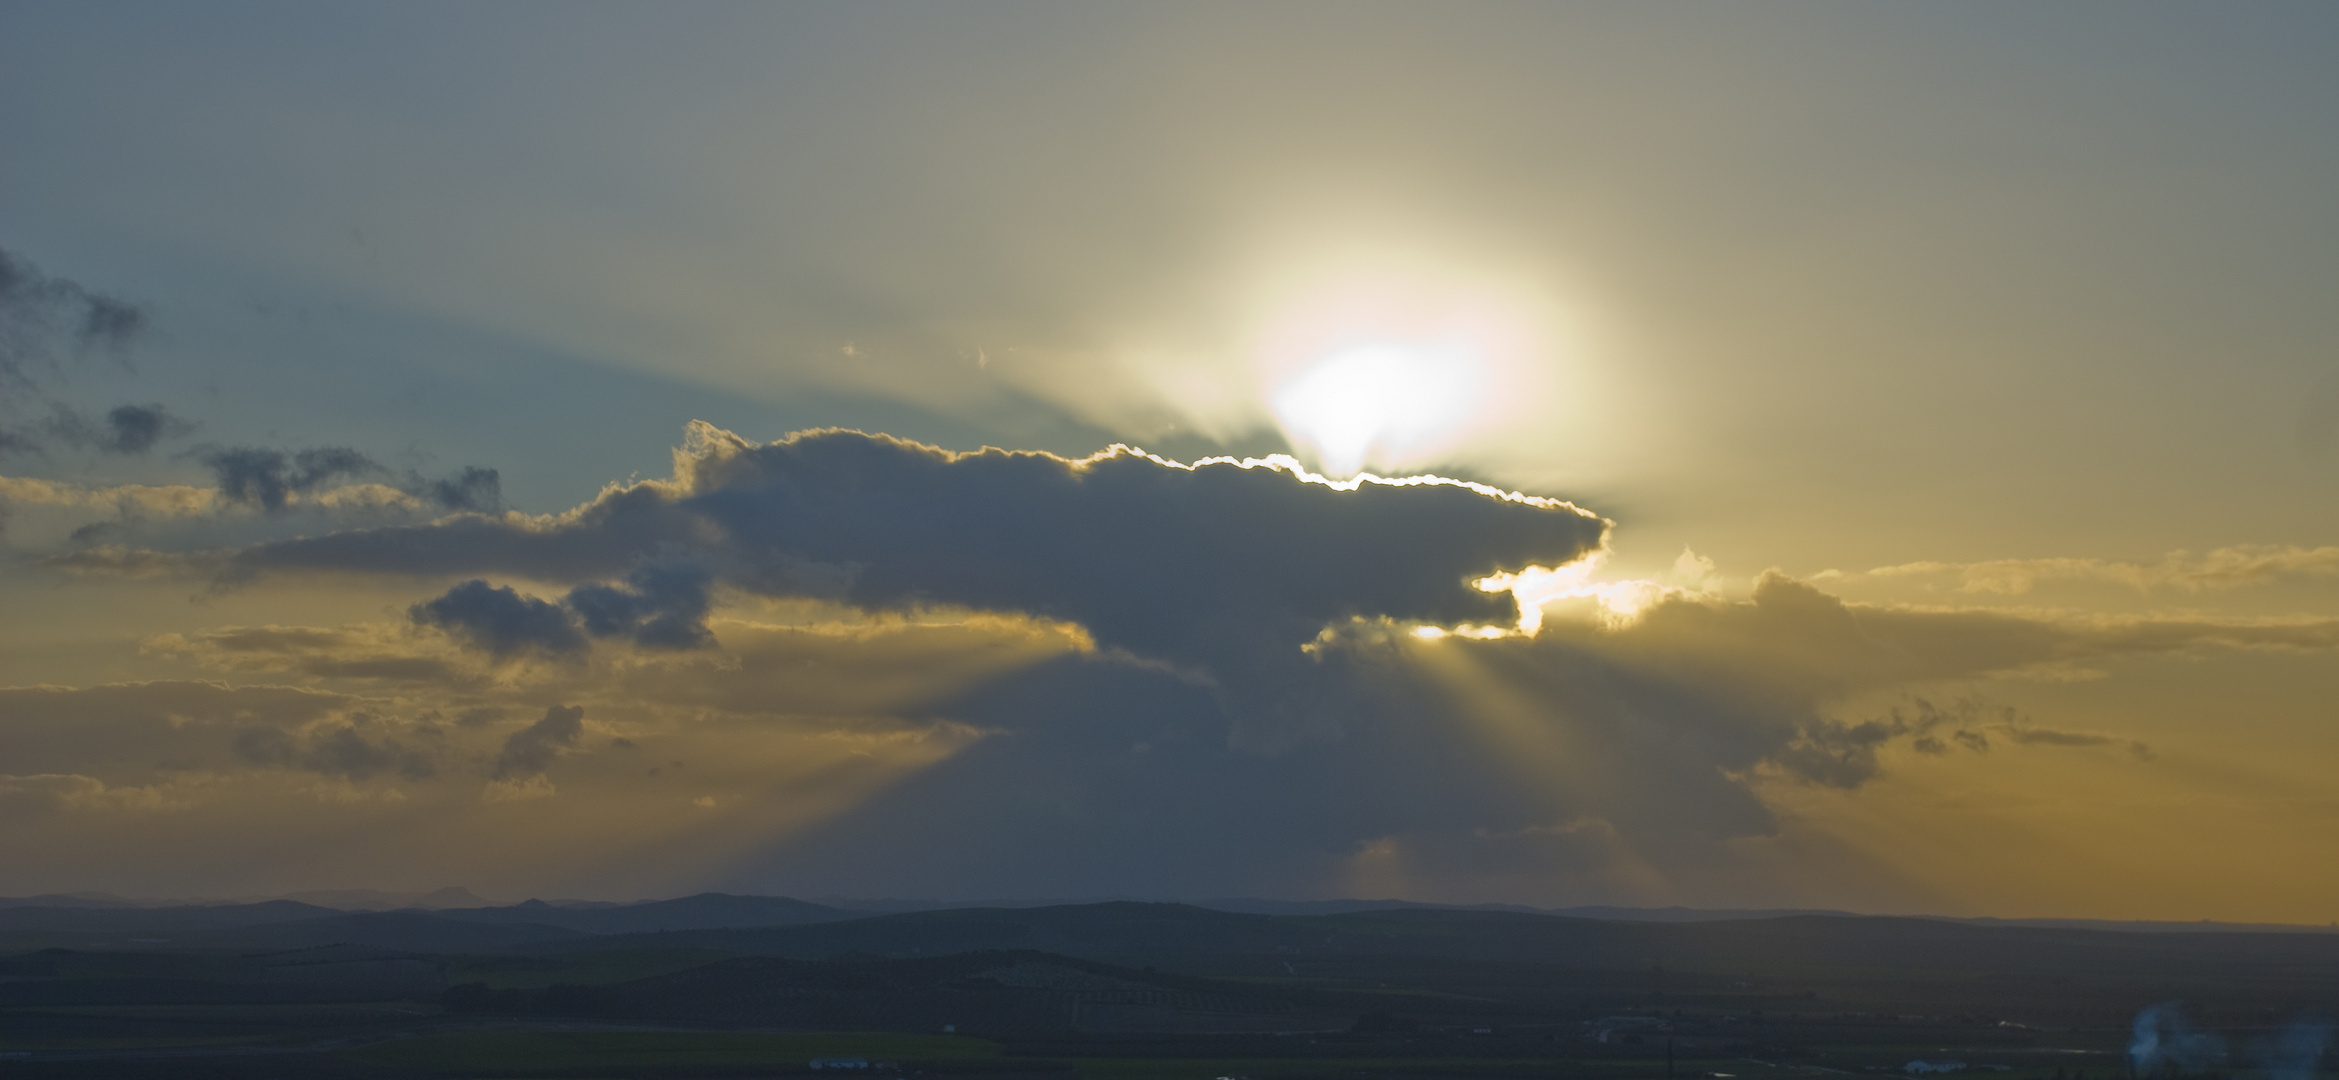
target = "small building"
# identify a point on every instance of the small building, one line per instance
(840, 1063)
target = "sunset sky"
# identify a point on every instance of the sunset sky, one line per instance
(1875, 457)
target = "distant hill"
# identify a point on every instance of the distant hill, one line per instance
(719, 910)
(377, 900)
(1258, 906)
(705, 911)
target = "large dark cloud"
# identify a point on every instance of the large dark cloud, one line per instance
(1537, 762)
(1221, 569)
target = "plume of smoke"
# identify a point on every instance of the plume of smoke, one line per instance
(2163, 1039)
(2294, 1053)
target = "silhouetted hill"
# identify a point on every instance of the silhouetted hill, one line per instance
(376, 900)
(705, 911)
(413, 931)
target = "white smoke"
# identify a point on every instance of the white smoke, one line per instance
(2163, 1039)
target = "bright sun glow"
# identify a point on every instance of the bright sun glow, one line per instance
(1399, 364)
(1381, 402)
(1617, 602)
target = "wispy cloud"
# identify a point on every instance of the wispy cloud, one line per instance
(2184, 571)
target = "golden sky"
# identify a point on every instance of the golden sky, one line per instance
(1813, 455)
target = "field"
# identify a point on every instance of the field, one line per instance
(506, 1052)
(1151, 992)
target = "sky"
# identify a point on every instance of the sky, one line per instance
(1869, 457)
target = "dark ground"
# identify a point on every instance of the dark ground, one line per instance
(1125, 990)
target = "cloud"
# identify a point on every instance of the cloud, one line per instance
(501, 621)
(348, 652)
(24, 796)
(1598, 755)
(2223, 568)
(122, 561)
(45, 321)
(532, 749)
(847, 666)
(340, 751)
(165, 500)
(474, 489)
(126, 429)
(1023, 674)
(137, 732)
(662, 605)
(2032, 736)
(43, 318)
(256, 476)
(1222, 567)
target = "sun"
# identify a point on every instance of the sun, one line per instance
(1394, 364)
(1383, 401)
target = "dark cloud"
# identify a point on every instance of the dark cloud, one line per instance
(126, 429)
(501, 621)
(268, 479)
(134, 429)
(1535, 761)
(532, 749)
(44, 319)
(662, 605)
(475, 489)
(109, 323)
(1220, 569)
